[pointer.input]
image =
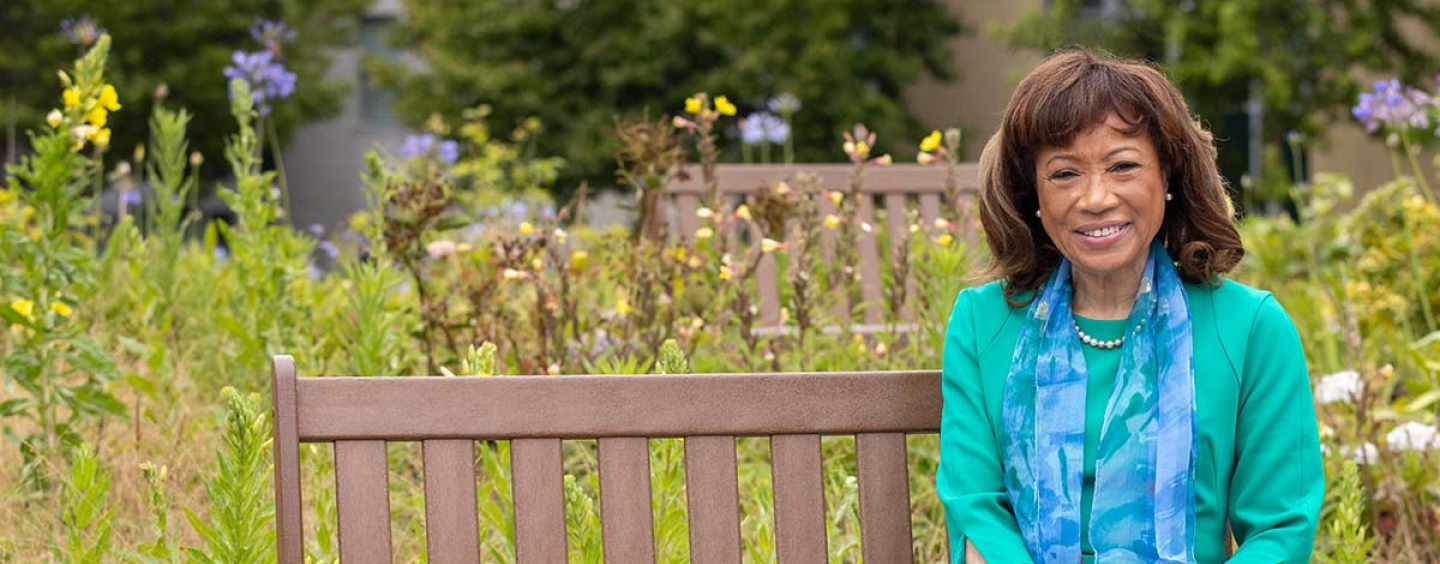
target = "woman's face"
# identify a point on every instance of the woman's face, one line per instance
(1102, 198)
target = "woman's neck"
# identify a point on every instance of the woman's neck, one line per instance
(1104, 296)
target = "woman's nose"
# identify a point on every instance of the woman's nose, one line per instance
(1097, 195)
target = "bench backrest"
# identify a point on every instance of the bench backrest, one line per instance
(447, 416)
(900, 188)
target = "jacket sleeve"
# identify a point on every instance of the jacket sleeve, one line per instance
(1278, 483)
(969, 480)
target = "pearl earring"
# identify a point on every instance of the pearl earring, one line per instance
(1169, 196)
(1037, 213)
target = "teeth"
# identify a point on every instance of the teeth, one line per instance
(1103, 231)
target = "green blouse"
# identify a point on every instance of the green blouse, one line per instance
(1258, 454)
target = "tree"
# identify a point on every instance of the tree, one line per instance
(1297, 57)
(579, 64)
(182, 45)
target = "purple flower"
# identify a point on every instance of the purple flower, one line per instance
(316, 229)
(764, 127)
(329, 249)
(268, 80)
(133, 198)
(82, 31)
(428, 145)
(1393, 107)
(272, 34)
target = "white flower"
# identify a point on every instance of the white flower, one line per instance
(1340, 386)
(1412, 435)
(1366, 454)
(441, 248)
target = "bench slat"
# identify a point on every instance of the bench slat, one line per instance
(451, 521)
(289, 536)
(362, 501)
(767, 281)
(539, 492)
(799, 499)
(712, 491)
(685, 206)
(587, 407)
(884, 498)
(929, 209)
(869, 261)
(897, 217)
(908, 178)
(627, 525)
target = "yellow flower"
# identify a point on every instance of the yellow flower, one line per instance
(743, 212)
(512, 274)
(931, 141)
(693, 105)
(6, 196)
(101, 137)
(725, 273)
(537, 264)
(862, 148)
(622, 307)
(54, 118)
(109, 99)
(944, 239)
(704, 233)
(526, 229)
(836, 197)
(769, 245)
(72, 97)
(579, 259)
(831, 221)
(723, 105)
(60, 308)
(24, 307)
(97, 117)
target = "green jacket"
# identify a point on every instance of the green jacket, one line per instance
(1258, 451)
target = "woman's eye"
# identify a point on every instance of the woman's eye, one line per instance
(1063, 174)
(1124, 167)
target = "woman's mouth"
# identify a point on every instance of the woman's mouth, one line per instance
(1104, 234)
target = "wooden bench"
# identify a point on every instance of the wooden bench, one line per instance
(447, 415)
(900, 188)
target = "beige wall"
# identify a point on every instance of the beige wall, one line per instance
(986, 73)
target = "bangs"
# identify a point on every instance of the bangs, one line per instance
(1087, 98)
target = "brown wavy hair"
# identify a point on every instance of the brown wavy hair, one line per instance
(1070, 92)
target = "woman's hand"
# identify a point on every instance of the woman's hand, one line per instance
(972, 556)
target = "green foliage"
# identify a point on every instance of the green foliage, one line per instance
(184, 47)
(164, 549)
(1346, 527)
(56, 375)
(241, 505)
(87, 517)
(576, 64)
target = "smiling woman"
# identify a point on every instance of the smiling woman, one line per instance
(1110, 397)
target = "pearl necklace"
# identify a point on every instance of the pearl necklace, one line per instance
(1097, 343)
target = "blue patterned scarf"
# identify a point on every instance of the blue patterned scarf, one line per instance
(1143, 510)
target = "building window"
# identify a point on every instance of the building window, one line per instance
(375, 101)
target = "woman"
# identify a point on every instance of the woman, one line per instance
(1110, 398)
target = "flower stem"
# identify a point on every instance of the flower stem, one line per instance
(1415, 166)
(280, 170)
